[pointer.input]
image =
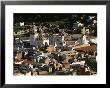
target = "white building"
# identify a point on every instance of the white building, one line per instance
(84, 40)
(35, 28)
(21, 23)
(94, 40)
(46, 40)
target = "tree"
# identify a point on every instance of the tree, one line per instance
(92, 63)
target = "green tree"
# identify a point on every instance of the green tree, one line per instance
(92, 64)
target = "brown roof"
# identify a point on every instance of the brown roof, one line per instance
(28, 61)
(87, 48)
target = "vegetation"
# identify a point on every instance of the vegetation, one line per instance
(92, 63)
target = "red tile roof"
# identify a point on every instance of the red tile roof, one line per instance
(87, 48)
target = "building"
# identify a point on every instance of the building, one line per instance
(85, 31)
(57, 41)
(36, 40)
(51, 49)
(85, 40)
(21, 23)
(68, 54)
(45, 41)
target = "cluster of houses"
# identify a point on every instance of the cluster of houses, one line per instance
(49, 50)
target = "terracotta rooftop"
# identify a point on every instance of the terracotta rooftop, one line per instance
(28, 61)
(86, 48)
